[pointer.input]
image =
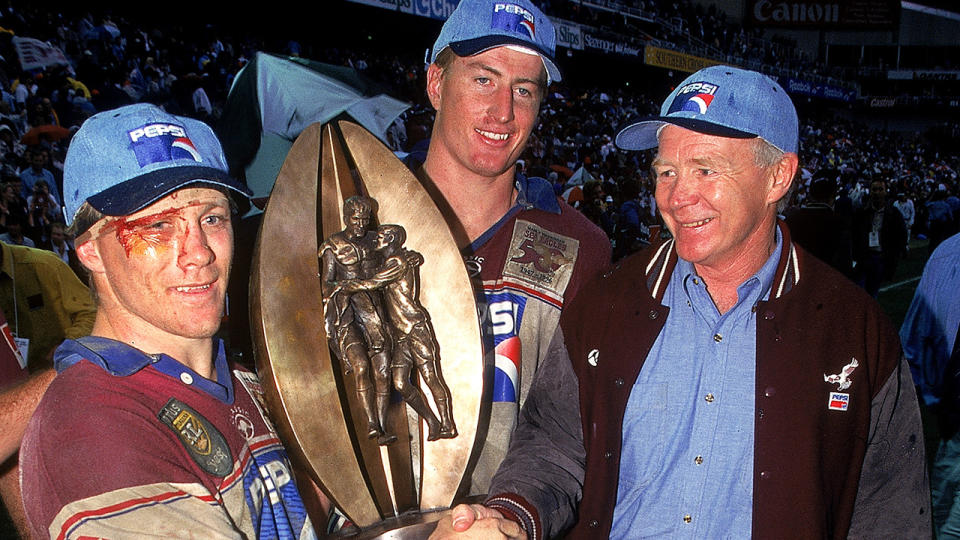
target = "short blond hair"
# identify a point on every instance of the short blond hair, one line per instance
(85, 218)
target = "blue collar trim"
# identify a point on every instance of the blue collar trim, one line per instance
(122, 360)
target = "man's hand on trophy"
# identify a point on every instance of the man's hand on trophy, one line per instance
(475, 521)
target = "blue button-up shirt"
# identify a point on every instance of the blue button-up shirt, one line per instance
(686, 467)
(930, 326)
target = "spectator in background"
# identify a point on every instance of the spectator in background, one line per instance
(46, 302)
(929, 336)
(11, 203)
(939, 217)
(879, 239)
(905, 205)
(59, 244)
(38, 171)
(15, 236)
(819, 229)
(633, 231)
(19, 394)
(8, 145)
(44, 210)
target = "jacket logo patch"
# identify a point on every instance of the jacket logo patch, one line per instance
(593, 357)
(203, 442)
(843, 378)
(540, 257)
(838, 401)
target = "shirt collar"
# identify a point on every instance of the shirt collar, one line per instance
(121, 360)
(755, 288)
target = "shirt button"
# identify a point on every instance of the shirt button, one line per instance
(607, 455)
(718, 338)
(594, 524)
(618, 381)
(698, 460)
(687, 518)
(653, 314)
(708, 398)
(765, 475)
(768, 315)
(696, 281)
(770, 391)
(186, 378)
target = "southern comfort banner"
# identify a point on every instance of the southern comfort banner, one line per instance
(665, 58)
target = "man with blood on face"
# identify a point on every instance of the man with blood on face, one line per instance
(489, 70)
(723, 383)
(161, 272)
(166, 427)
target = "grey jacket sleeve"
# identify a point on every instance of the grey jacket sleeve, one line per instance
(545, 461)
(893, 497)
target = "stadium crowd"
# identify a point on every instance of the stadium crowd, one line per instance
(115, 61)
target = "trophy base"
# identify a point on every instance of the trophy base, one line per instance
(413, 526)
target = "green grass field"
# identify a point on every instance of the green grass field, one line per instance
(896, 295)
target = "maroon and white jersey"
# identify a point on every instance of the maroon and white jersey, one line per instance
(130, 445)
(528, 265)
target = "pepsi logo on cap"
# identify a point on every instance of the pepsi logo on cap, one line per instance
(703, 93)
(513, 18)
(157, 143)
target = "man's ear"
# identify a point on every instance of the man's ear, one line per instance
(783, 174)
(89, 254)
(434, 81)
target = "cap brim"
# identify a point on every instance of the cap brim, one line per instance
(642, 134)
(142, 191)
(474, 46)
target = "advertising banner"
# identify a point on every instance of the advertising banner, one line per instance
(665, 58)
(569, 34)
(825, 91)
(923, 75)
(824, 14)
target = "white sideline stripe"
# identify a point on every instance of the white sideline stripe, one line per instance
(899, 284)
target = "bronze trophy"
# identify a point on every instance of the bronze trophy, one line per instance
(366, 332)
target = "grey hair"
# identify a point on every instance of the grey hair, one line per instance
(766, 155)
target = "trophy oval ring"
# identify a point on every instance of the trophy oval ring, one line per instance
(381, 479)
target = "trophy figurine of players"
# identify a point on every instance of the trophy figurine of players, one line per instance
(366, 332)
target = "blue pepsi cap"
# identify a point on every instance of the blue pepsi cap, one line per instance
(121, 161)
(479, 25)
(723, 101)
